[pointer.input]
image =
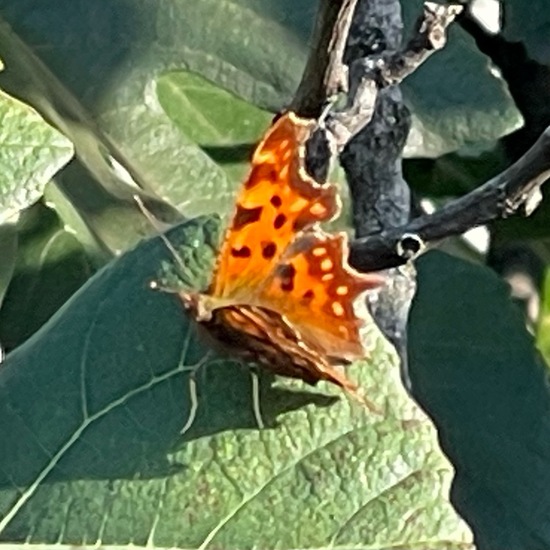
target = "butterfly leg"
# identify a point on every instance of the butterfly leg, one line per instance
(256, 408)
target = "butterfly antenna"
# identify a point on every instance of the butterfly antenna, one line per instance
(154, 222)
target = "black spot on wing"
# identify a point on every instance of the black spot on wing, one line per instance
(288, 286)
(276, 201)
(280, 220)
(287, 272)
(243, 252)
(269, 250)
(245, 216)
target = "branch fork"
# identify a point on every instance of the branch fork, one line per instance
(515, 191)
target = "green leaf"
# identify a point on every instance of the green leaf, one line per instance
(454, 174)
(120, 370)
(100, 181)
(543, 325)
(225, 127)
(31, 152)
(476, 372)
(528, 26)
(219, 131)
(8, 253)
(159, 154)
(47, 269)
(455, 97)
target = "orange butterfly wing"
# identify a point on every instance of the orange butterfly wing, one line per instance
(266, 337)
(316, 290)
(277, 200)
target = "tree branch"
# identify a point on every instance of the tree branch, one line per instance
(376, 64)
(514, 191)
(325, 75)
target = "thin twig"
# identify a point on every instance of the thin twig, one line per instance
(325, 75)
(514, 191)
(385, 68)
(430, 35)
(336, 74)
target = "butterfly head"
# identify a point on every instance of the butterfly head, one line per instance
(202, 306)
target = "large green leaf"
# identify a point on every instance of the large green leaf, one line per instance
(115, 376)
(225, 127)
(220, 130)
(126, 100)
(31, 152)
(475, 369)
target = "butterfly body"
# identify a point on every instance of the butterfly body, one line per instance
(263, 336)
(282, 293)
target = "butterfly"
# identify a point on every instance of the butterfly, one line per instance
(282, 293)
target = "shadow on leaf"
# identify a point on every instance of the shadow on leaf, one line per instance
(105, 387)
